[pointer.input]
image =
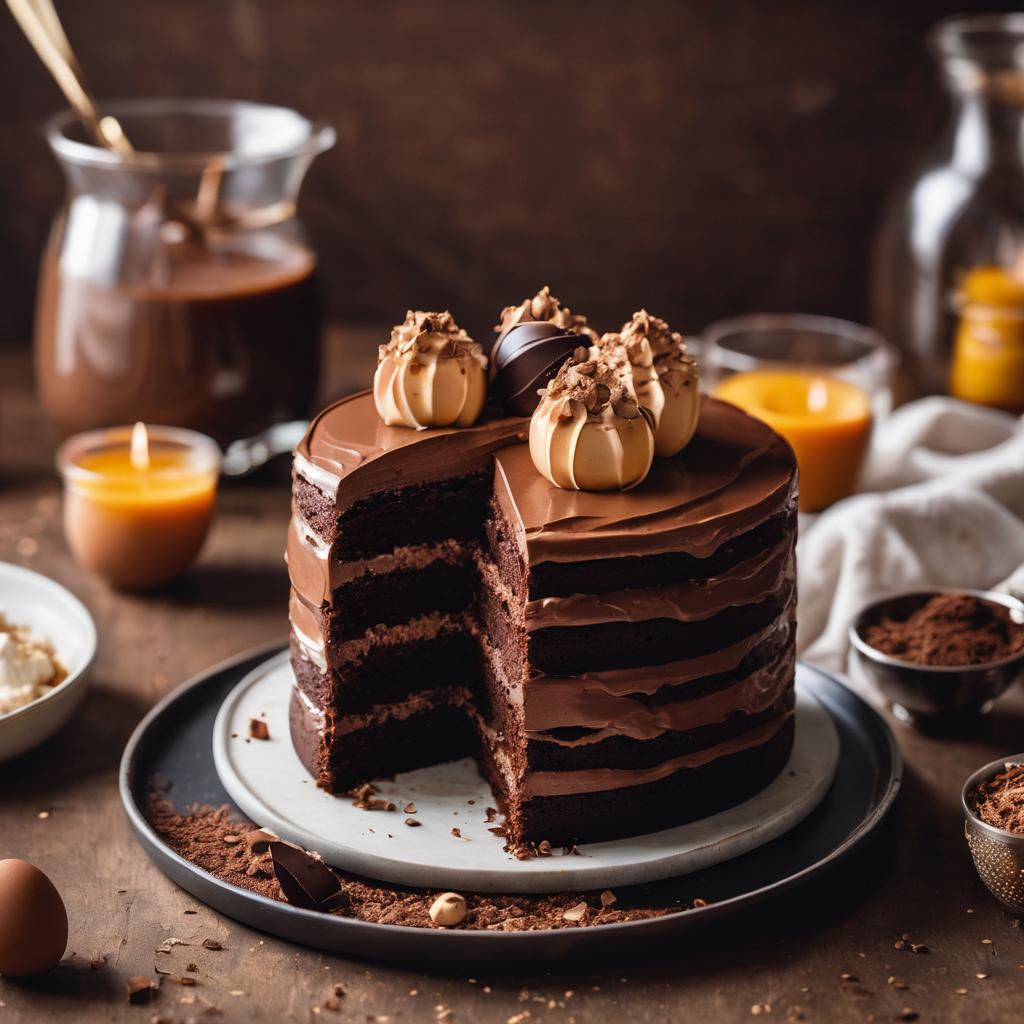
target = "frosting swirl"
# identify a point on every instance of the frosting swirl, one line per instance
(589, 432)
(543, 307)
(430, 374)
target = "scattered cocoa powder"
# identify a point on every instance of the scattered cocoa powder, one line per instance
(1000, 800)
(198, 836)
(950, 629)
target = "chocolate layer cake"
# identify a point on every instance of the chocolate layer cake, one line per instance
(618, 662)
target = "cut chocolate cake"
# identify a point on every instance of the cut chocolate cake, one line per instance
(618, 662)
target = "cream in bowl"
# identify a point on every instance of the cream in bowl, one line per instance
(47, 646)
(29, 666)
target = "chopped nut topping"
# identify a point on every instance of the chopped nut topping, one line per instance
(435, 333)
(577, 913)
(544, 306)
(588, 383)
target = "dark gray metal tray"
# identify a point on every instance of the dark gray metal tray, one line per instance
(172, 747)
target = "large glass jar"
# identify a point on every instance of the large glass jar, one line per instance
(963, 207)
(177, 286)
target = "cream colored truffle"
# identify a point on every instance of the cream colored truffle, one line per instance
(430, 374)
(589, 433)
(665, 378)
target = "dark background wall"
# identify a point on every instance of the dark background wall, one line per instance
(701, 158)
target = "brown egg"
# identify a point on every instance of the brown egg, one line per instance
(33, 921)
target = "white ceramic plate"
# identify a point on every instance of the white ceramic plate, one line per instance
(55, 614)
(268, 782)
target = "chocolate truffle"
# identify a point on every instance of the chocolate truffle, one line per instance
(534, 339)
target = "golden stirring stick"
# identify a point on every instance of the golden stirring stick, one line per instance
(41, 24)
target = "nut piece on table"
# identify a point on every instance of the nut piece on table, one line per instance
(448, 910)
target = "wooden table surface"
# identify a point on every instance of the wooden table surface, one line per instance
(59, 808)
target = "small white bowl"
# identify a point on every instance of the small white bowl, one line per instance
(56, 615)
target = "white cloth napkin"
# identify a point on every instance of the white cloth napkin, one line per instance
(941, 505)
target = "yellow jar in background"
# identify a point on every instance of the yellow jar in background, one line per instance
(988, 350)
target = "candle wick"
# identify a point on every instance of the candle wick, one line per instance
(140, 448)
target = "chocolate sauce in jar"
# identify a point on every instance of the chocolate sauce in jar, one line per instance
(221, 340)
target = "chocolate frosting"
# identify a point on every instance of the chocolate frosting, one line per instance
(733, 475)
(574, 706)
(593, 780)
(348, 442)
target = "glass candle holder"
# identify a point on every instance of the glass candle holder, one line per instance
(818, 381)
(137, 513)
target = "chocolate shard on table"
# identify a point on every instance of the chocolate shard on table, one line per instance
(617, 661)
(305, 880)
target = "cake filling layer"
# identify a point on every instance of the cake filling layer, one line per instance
(687, 602)
(596, 715)
(649, 679)
(593, 780)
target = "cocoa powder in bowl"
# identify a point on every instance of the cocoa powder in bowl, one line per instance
(949, 630)
(999, 801)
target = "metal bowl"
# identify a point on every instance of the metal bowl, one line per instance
(934, 691)
(998, 855)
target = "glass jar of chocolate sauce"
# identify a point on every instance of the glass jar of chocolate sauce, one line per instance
(177, 286)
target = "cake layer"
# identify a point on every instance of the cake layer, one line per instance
(422, 513)
(674, 799)
(391, 671)
(555, 707)
(598, 575)
(348, 441)
(687, 602)
(436, 732)
(570, 650)
(559, 806)
(600, 779)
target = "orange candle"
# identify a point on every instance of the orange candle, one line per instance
(825, 419)
(988, 352)
(138, 503)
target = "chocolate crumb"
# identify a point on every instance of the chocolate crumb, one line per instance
(491, 813)
(198, 837)
(413, 823)
(907, 1014)
(212, 944)
(141, 989)
(258, 729)
(409, 809)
